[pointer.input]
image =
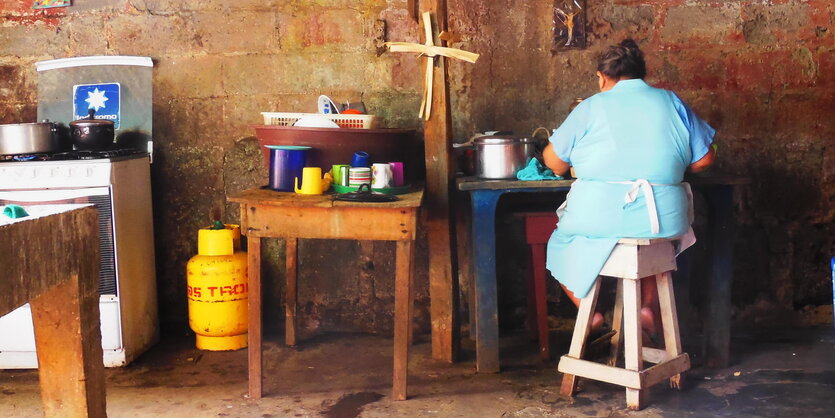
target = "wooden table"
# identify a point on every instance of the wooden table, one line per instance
(270, 214)
(51, 260)
(484, 196)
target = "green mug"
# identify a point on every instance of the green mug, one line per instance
(340, 175)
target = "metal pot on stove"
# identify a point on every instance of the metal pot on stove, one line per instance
(29, 138)
(501, 157)
(92, 134)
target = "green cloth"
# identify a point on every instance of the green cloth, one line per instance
(536, 171)
(15, 211)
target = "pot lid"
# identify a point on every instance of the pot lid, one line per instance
(496, 140)
(91, 120)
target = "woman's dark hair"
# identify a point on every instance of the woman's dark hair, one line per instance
(624, 60)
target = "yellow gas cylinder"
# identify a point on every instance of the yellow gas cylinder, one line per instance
(217, 289)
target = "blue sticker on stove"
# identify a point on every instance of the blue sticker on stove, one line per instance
(102, 98)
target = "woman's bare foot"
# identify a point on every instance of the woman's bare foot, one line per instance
(596, 321)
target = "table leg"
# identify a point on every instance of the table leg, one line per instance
(402, 317)
(718, 325)
(540, 299)
(291, 252)
(68, 340)
(484, 255)
(254, 306)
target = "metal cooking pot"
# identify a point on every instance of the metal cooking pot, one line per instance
(501, 157)
(29, 138)
(92, 134)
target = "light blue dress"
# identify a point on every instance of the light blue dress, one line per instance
(629, 148)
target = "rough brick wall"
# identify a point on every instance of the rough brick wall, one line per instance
(759, 71)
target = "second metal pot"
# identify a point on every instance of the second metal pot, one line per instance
(501, 157)
(92, 134)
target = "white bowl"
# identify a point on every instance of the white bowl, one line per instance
(313, 121)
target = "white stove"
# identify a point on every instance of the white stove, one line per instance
(120, 188)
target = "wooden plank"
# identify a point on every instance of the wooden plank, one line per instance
(583, 368)
(658, 373)
(633, 359)
(578, 340)
(669, 320)
(669, 317)
(266, 197)
(617, 326)
(291, 277)
(254, 306)
(443, 274)
(402, 317)
(56, 231)
(718, 323)
(387, 224)
(655, 355)
(634, 262)
(645, 241)
(484, 267)
(68, 341)
(412, 7)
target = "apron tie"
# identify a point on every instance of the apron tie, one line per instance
(644, 186)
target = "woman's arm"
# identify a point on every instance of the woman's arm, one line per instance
(704, 162)
(549, 157)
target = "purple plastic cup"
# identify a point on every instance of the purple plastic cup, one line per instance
(286, 163)
(397, 174)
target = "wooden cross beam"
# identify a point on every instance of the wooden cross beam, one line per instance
(430, 51)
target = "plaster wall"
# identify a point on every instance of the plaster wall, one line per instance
(759, 71)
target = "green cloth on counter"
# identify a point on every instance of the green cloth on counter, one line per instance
(536, 171)
(15, 211)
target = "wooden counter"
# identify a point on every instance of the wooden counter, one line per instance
(51, 260)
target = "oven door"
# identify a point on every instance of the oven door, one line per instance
(100, 197)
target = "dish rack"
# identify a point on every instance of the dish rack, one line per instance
(344, 121)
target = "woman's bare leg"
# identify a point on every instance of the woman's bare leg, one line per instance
(596, 321)
(650, 310)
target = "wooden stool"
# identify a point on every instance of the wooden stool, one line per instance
(538, 229)
(631, 260)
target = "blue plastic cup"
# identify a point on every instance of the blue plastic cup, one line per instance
(361, 159)
(286, 163)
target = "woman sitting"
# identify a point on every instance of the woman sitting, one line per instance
(629, 145)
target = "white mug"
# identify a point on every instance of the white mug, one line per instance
(381, 177)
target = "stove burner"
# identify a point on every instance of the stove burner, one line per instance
(70, 155)
(24, 157)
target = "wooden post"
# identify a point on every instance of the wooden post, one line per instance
(402, 318)
(254, 306)
(443, 263)
(60, 316)
(290, 249)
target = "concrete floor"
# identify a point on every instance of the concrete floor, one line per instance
(787, 372)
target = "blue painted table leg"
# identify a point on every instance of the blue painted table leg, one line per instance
(484, 259)
(718, 324)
